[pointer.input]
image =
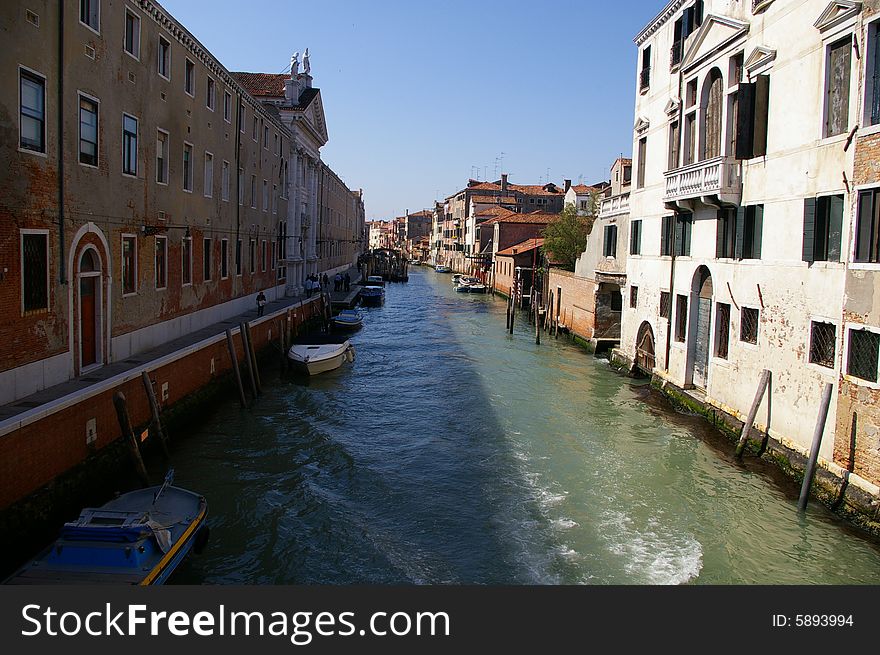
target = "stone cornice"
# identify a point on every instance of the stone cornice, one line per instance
(659, 20)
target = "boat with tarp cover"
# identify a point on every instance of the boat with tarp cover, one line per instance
(139, 538)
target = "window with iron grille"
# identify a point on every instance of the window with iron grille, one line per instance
(823, 337)
(722, 329)
(224, 258)
(207, 256)
(186, 260)
(161, 262)
(35, 272)
(665, 303)
(681, 312)
(748, 328)
(129, 264)
(864, 347)
(633, 296)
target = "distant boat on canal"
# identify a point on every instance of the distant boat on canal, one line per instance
(139, 538)
(372, 295)
(320, 353)
(440, 268)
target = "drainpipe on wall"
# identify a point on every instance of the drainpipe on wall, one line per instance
(238, 183)
(62, 271)
(681, 102)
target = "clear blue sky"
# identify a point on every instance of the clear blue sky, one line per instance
(421, 95)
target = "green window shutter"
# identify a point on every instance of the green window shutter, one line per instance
(719, 233)
(759, 228)
(761, 113)
(664, 236)
(835, 227)
(679, 235)
(745, 120)
(740, 225)
(809, 228)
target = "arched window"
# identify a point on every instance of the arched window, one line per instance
(88, 263)
(712, 102)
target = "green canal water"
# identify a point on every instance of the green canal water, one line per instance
(451, 452)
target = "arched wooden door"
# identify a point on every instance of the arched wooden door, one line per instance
(645, 348)
(89, 309)
(702, 332)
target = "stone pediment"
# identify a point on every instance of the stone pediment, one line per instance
(672, 106)
(836, 13)
(714, 36)
(759, 58)
(642, 125)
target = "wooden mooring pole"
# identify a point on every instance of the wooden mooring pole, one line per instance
(127, 434)
(507, 321)
(814, 449)
(235, 368)
(753, 411)
(247, 358)
(253, 351)
(537, 320)
(155, 422)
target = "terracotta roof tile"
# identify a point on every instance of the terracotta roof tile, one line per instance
(263, 84)
(526, 246)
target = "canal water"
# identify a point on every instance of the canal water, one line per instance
(451, 452)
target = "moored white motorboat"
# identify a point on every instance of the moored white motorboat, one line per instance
(440, 268)
(321, 353)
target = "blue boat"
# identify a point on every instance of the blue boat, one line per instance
(372, 295)
(348, 319)
(139, 538)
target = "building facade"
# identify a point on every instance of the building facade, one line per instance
(136, 205)
(340, 234)
(743, 203)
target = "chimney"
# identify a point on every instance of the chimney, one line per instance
(567, 185)
(504, 182)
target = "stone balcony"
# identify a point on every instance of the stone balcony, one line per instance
(711, 182)
(614, 206)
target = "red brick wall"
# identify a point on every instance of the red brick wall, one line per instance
(577, 307)
(36, 454)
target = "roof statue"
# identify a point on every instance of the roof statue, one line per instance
(294, 64)
(306, 65)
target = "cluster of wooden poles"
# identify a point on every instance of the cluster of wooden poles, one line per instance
(288, 329)
(542, 317)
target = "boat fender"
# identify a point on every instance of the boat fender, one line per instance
(201, 539)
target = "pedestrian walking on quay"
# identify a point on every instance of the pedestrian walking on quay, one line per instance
(347, 281)
(325, 281)
(337, 282)
(261, 303)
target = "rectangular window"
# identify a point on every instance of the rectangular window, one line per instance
(610, 244)
(274, 198)
(749, 226)
(665, 304)
(748, 328)
(640, 176)
(265, 137)
(263, 256)
(681, 313)
(633, 297)
(265, 204)
(252, 256)
(722, 329)
(189, 78)
(186, 261)
(837, 82)
(129, 264)
(242, 116)
(88, 131)
(725, 233)
(823, 341)
(90, 13)
(872, 86)
(34, 272)
(645, 75)
(164, 64)
(240, 189)
(823, 223)
(161, 262)
(684, 223)
(238, 257)
(868, 227)
(674, 140)
(227, 106)
(254, 134)
(132, 34)
(187, 167)
(667, 235)
(207, 256)
(129, 145)
(224, 181)
(209, 94)
(862, 354)
(32, 115)
(253, 191)
(209, 175)
(162, 157)
(635, 237)
(224, 258)
(690, 138)
(753, 102)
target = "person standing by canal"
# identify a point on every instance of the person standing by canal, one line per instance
(347, 279)
(261, 303)
(325, 281)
